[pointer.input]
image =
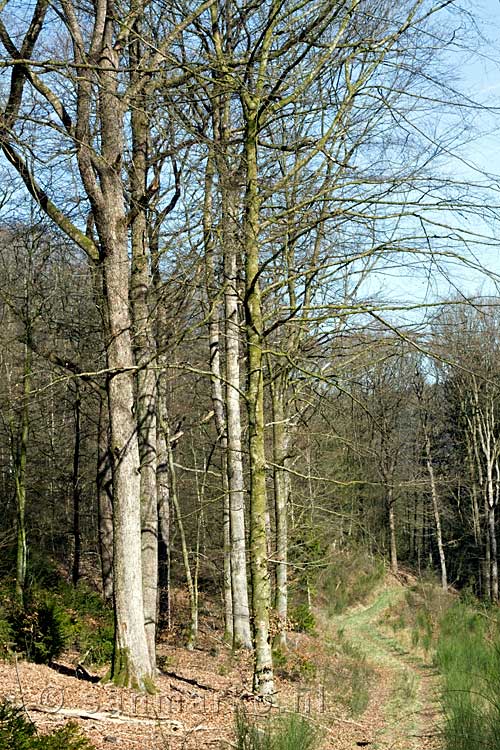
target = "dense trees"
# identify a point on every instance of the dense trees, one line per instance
(217, 189)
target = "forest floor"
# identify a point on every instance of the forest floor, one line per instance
(353, 679)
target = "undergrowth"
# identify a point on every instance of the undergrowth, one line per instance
(349, 579)
(54, 619)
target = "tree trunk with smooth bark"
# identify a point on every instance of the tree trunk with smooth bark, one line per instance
(263, 683)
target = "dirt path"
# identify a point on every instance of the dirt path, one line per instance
(403, 706)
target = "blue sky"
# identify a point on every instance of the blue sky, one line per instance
(476, 73)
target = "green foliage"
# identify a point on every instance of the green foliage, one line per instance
(91, 627)
(39, 630)
(302, 619)
(287, 732)
(349, 579)
(417, 617)
(6, 636)
(468, 656)
(51, 621)
(18, 733)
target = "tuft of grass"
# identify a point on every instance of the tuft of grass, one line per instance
(39, 629)
(286, 732)
(53, 620)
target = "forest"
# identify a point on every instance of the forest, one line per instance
(250, 345)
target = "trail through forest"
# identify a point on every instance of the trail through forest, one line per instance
(378, 694)
(403, 711)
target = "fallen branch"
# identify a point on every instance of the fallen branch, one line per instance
(78, 713)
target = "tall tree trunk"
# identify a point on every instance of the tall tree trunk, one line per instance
(190, 580)
(75, 482)
(487, 556)
(163, 494)
(263, 667)
(19, 444)
(435, 508)
(145, 354)
(131, 659)
(217, 393)
(491, 502)
(241, 615)
(105, 499)
(281, 505)
(392, 530)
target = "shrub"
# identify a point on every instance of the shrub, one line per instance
(302, 619)
(18, 733)
(90, 627)
(39, 630)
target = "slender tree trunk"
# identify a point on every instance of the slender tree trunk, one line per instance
(241, 616)
(163, 494)
(392, 531)
(281, 505)
(263, 667)
(191, 583)
(20, 456)
(492, 529)
(487, 557)
(435, 508)
(75, 573)
(105, 499)
(217, 393)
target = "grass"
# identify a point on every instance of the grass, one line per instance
(286, 732)
(463, 638)
(348, 677)
(468, 657)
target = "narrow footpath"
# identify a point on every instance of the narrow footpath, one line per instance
(403, 711)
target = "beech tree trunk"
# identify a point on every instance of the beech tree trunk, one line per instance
(263, 683)
(145, 355)
(392, 531)
(132, 663)
(218, 393)
(19, 448)
(241, 616)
